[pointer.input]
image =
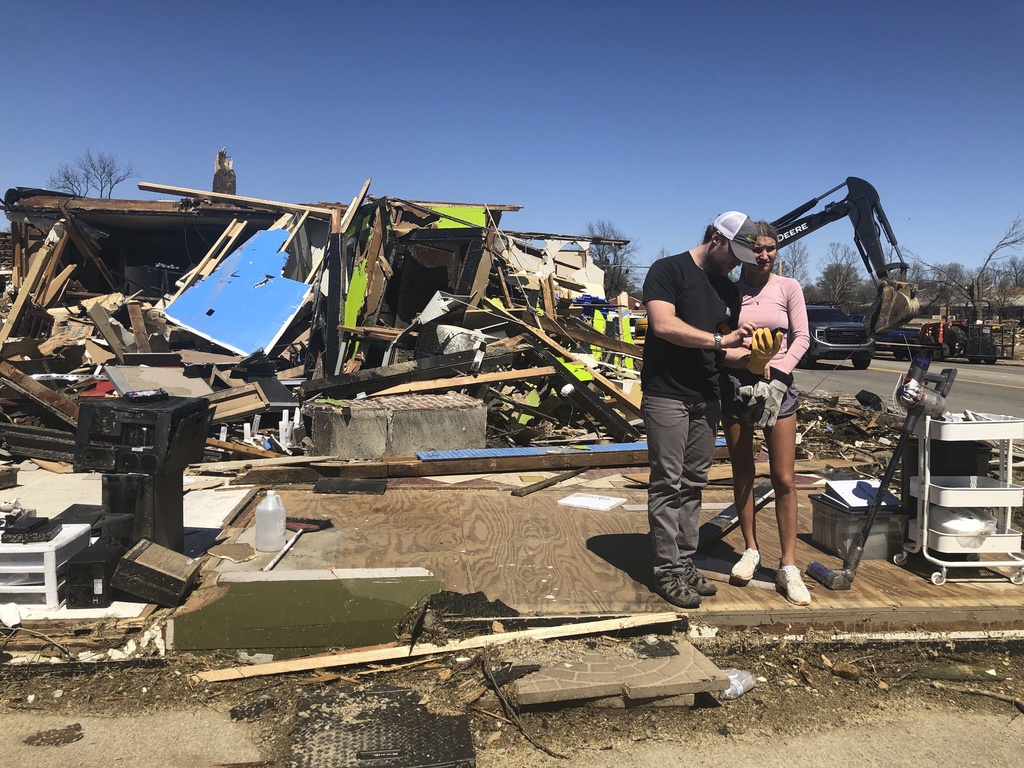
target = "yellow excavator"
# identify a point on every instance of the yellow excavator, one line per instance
(896, 302)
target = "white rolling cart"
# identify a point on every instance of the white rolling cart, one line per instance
(948, 505)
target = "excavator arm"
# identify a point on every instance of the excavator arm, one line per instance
(896, 302)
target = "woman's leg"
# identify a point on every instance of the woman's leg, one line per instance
(740, 439)
(781, 440)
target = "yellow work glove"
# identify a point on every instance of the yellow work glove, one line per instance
(763, 347)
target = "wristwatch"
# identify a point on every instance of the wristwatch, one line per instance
(718, 342)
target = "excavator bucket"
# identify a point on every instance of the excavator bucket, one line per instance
(894, 306)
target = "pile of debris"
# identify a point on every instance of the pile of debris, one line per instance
(284, 316)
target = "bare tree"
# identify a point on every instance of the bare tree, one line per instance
(972, 287)
(840, 281)
(794, 261)
(1013, 269)
(100, 172)
(616, 258)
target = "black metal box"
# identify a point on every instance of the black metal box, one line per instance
(158, 437)
(88, 576)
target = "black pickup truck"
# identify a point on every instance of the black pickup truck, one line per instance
(836, 336)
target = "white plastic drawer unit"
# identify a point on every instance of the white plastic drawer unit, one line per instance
(992, 427)
(969, 491)
(33, 574)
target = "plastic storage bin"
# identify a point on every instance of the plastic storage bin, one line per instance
(835, 529)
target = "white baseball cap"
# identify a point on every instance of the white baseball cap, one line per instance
(741, 233)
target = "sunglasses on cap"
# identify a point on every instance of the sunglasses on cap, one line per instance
(759, 249)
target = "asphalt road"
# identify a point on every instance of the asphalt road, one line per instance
(995, 388)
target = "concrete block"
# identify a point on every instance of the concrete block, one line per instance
(374, 428)
(598, 676)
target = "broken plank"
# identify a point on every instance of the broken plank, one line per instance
(102, 320)
(139, 328)
(55, 403)
(540, 485)
(349, 658)
(460, 382)
(578, 331)
(237, 402)
(241, 448)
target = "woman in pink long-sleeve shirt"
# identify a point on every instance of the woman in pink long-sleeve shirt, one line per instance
(774, 302)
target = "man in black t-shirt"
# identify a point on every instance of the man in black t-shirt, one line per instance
(692, 314)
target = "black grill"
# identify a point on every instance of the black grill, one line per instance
(845, 335)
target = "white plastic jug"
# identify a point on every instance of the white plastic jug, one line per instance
(270, 520)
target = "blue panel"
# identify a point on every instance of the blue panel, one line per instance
(494, 453)
(245, 305)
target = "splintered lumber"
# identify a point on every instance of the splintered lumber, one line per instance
(139, 328)
(460, 382)
(540, 485)
(221, 197)
(387, 653)
(339, 226)
(57, 404)
(348, 385)
(577, 331)
(243, 449)
(101, 318)
(40, 266)
(628, 402)
(237, 402)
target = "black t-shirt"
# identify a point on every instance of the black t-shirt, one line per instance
(705, 301)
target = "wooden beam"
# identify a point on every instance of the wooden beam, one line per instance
(386, 653)
(460, 382)
(221, 197)
(221, 247)
(86, 245)
(413, 467)
(53, 290)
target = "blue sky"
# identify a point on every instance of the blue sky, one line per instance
(654, 116)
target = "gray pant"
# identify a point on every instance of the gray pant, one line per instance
(680, 446)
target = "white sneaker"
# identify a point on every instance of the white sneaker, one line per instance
(744, 569)
(791, 584)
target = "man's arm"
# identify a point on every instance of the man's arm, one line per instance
(661, 315)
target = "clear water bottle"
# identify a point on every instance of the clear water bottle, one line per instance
(740, 681)
(270, 521)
